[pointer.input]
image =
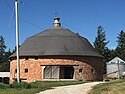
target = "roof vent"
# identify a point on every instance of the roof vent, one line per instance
(56, 22)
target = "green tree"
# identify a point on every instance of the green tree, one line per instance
(2, 50)
(112, 54)
(4, 56)
(100, 45)
(6, 65)
(120, 49)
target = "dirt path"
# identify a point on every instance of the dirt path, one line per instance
(71, 89)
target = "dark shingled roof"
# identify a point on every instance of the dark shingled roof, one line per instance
(57, 41)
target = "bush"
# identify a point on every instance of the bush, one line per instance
(3, 86)
(20, 85)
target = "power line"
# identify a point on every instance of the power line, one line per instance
(8, 5)
(33, 9)
(25, 4)
(12, 9)
(40, 12)
(30, 23)
(12, 14)
(19, 18)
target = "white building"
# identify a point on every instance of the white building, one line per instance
(115, 68)
(4, 77)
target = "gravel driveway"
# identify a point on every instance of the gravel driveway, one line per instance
(71, 89)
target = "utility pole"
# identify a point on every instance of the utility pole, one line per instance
(17, 41)
(118, 69)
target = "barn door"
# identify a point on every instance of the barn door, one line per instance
(51, 72)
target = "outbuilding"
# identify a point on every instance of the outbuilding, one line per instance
(115, 68)
(57, 53)
(4, 77)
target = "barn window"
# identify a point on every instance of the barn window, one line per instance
(26, 58)
(121, 62)
(36, 58)
(80, 70)
(112, 62)
(92, 70)
(26, 71)
(15, 70)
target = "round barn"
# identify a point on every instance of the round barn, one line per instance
(57, 53)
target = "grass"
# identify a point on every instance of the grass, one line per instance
(113, 87)
(38, 86)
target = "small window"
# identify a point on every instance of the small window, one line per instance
(92, 70)
(15, 70)
(36, 58)
(80, 70)
(26, 58)
(26, 70)
(121, 62)
(112, 62)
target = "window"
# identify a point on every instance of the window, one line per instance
(15, 70)
(92, 70)
(121, 62)
(36, 58)
(26, 58)
(26, 71)
(80, 70)
(112, 62)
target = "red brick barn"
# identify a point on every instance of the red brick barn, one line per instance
(57, 53)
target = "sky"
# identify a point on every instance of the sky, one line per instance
(80, 16)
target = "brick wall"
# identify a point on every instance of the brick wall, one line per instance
(91, 67)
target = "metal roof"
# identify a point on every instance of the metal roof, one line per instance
(57, 41)
(116, 60)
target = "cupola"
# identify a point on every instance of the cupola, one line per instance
(56, 22)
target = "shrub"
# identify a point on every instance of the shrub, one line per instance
(3, 86)
(20, 85)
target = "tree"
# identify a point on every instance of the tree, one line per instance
(4, 56)
(120, 49)
(14, 50)
(2, 50)
(7, 61)
(100, 45)
(100, 42)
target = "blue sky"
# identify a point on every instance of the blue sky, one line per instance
(82, 16)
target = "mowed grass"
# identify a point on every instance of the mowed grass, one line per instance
(39, 86)
(113, 87)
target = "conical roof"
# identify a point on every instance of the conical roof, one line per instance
(57, 41)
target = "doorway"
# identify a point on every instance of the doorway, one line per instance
(58, 72)
(66, 72)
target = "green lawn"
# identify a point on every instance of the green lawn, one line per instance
(38, 86)
(113, 87)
